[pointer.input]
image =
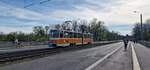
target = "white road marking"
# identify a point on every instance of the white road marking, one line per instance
(136, 65)
(102, 59)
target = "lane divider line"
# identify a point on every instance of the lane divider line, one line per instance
(101, 60)
(136, 65)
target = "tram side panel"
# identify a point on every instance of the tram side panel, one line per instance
(69, 42)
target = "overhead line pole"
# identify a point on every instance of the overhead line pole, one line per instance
(141, 20)
(141, 24)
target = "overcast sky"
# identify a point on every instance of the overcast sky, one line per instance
(117, 14)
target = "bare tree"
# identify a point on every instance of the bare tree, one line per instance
(74, 25)
(46, 29)
(66, 25)
(58, 26)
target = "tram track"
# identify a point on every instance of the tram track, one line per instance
(35, 53)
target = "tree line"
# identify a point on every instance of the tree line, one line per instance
(40, 33)
(145, 30)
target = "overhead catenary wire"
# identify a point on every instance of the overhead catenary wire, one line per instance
(44, 1)
(29, 5)
(32, 4)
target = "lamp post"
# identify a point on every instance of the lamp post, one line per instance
(141, 22)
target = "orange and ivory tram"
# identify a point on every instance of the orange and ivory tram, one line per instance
(68, 38)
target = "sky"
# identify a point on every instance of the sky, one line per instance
(118, 15)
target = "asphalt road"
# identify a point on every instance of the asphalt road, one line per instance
(121, 60)
(79, 60)
(143, 54)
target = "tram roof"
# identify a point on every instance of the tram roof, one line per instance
(71, 31)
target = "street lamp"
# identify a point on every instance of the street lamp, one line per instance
(141, 22)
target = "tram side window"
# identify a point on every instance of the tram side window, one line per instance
(88, 36)
(79, 35)
(54, 34)
(75, 35)
(61, 35)
(65, 35)
(71, 35)
(84, 35)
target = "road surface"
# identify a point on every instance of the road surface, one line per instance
(97, 58)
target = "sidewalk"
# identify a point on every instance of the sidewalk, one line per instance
(12, 49)
(143, 54)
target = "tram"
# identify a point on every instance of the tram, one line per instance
(68, 38)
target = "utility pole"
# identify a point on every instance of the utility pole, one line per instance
(141, 21)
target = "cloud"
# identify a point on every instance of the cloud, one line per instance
(112, 12)
(123, 29)
(18, 19)
(115, 13)
(21, 13)
(11, 11)
(90, 9)
(7, 29)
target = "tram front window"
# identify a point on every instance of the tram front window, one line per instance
(54, 33)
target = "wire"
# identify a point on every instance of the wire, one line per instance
(29, 5)
(44, 1)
